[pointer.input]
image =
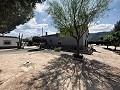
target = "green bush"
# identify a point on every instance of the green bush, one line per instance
(57, 49)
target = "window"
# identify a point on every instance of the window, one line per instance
(50, 41)
(7, 42)
(59, 43)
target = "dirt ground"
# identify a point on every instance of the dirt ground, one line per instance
(14, 63)
(20, 65)
(105, 56)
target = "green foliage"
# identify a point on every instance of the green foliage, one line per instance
(114, 36)
(117, 27)
(15, 12)
(57, 49)
(38, 39)
(71, 17)
(108, 38)
(30, 43)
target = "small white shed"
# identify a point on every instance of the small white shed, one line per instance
(8, 42)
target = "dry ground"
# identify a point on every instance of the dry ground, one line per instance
(106, 56)
(14, 63)
(23, 70)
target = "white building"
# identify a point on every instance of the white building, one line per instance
(8, 41)
(66, 42)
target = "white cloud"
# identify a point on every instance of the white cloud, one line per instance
(98, 22)
(42, 19)
(40, 8)
(34, 26)
(50, 32)
(100, 28)
(28, 29)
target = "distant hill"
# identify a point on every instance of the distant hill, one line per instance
(96, 36)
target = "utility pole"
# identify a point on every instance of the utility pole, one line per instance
(42, 31)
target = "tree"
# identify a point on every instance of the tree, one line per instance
(115, 39)
(117, 27)
(72, 17)
(107, 39)
(38, 40)
(114, 36)
(20, 41)
(15, 12)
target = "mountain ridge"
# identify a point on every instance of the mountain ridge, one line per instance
(96, 36)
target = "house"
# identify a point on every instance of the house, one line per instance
(8, 42)
(66, 42)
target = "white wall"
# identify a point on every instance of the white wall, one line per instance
(70, 41)
(67, 40)
(85, 38)
(13, 41)
(53, 39)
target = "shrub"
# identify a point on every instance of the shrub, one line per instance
(57, 49)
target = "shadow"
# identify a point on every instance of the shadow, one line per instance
(94, 50)
(0, 70)
(89, 52)
(64, 73)
(116, 51)
(33, 50)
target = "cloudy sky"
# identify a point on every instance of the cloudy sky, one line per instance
(42, 19)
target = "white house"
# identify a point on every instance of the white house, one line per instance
(66, 42)
(8, 41)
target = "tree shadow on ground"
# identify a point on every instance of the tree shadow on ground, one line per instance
(33, 50)
(64, 73)
(116, 51)
(89, 52)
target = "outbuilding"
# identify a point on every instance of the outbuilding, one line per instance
(8, 41)
(66, 42)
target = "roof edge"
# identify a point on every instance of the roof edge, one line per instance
(8, 36)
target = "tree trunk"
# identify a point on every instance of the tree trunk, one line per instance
(115, 47)
(20, 41)
(107, 46)
(78, 47)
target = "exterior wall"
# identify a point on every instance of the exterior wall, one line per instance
(52, 40)
(70, 41)
(85, 39)
(12, 40)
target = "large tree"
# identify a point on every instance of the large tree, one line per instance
(117, 26)
(15, 12)
(107, 39)
(72, 17)
(116, 34)
(113, 38)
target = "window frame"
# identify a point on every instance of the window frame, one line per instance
(6, 42)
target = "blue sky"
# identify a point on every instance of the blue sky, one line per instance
(42, 19)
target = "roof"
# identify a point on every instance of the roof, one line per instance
(8, 36)
(51, 35)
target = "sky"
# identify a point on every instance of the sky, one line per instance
(42, 19)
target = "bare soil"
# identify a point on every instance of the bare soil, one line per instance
(40, 70)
